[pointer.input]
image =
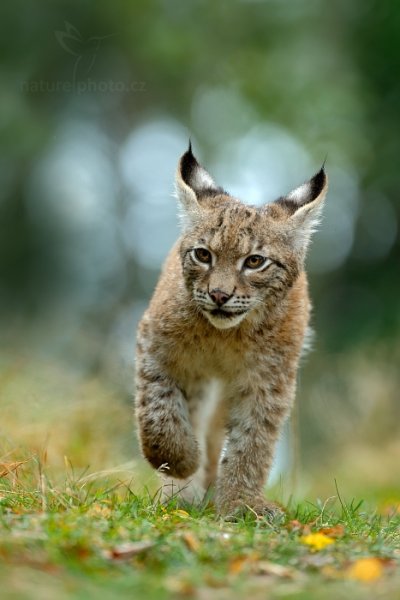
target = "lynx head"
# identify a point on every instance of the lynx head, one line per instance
(237, 259)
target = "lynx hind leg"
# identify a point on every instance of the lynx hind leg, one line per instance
(215, 442)
(203, 403)
(185, 491)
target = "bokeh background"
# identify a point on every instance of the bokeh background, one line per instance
(98, 100)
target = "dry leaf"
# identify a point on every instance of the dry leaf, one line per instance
(295, 525)
(98, 510)
(182, 514)
(128, 550)
(191, 541)
(238, 564)
(180, 586)
(248, 562)
(7, 468)
(265, 567)
(366, 569)
(317, 541)
(335, 531)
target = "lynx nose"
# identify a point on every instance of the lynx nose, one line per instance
(218, 296)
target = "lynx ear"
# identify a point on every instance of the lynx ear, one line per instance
(192, 181)
(304, 205)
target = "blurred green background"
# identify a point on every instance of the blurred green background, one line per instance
(98, 100)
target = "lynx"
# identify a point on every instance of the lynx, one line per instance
(219, 346)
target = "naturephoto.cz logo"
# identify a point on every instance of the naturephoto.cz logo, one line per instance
(84, 53)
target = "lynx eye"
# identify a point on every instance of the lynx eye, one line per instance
(254, 261)
(203, 255)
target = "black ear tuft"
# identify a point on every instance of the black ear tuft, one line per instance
(308, 196)
(317, 184)
(308, 192)
(303, 207)
(188, 164)
(195, 176)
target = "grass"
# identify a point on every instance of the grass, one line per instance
(87, 537)
(70, 533)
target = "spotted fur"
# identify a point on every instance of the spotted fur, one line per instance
(218, 348)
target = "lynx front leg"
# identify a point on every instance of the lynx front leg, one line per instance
(254, 424)
(165, 433)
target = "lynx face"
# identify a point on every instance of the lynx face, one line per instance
(232, 262)
(237, 258)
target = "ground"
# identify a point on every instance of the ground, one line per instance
(93, 537)
(80, 516)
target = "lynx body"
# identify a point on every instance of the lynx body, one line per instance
(219, 346)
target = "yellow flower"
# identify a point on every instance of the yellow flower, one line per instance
(191, 541)
(366, 569)
(317, 541)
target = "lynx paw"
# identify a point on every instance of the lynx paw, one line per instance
(176, 462)
(235, 510)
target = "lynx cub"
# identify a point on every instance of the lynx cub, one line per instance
(218, 348)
